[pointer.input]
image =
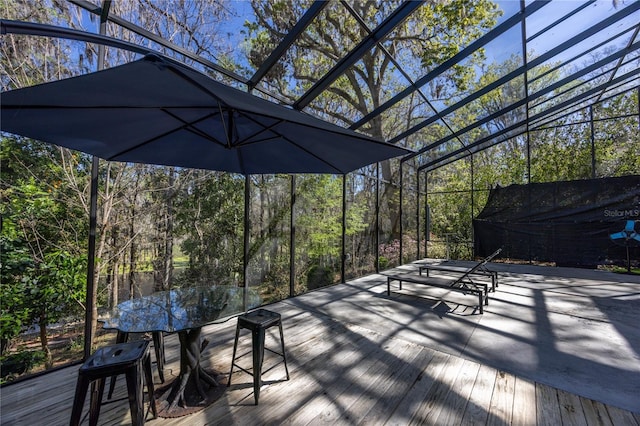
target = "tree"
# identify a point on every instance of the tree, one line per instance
(14, 262)
(44, 265)
(617, 135)
(57, 290)
(446, 28)
(27, 60)
(209, 216)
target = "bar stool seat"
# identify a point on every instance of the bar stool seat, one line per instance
(258, 322)
(158, 346)
(129, 359)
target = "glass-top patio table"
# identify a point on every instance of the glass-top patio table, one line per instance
(184, 311)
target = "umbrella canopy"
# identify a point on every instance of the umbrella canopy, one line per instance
(158, 112)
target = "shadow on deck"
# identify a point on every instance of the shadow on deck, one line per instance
(554, 346)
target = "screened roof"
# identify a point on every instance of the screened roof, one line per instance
(446, 79)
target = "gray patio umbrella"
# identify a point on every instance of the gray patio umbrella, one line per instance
(155, 111)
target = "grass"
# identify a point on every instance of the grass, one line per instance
(621, 270)
(180, 262)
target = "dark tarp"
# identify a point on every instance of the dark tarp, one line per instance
(567, 222)
(155, 111)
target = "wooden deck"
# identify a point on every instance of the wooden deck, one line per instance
(342, 372)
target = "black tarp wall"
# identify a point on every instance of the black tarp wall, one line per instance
(566, 222)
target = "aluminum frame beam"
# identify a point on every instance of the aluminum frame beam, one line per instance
(482, 41)
(546, 124)
(519, 71)
(523, 101)
(572, 109)
(589, 93)
(562, 19)
(286, 42)
(391, 22)
(8, 26)
(158, 39)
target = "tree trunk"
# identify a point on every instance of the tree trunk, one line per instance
(263, 237)
(168, 259)
(115, 283)
(44, 341)
(163, 267)
(133, 249)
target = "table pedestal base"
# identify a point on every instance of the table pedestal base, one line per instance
(195, 388)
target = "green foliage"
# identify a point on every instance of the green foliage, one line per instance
(618, 138)
(383, 262)
(19, 363)
(14, 263)
(209, 216)
(450, 27)
(319, 217)
(319, 276)
(43, 293)
(449, 204)
(39, 292)
(57, 287)
(274, 284)
(42, 264)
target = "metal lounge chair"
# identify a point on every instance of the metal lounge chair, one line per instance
(479, 269)
(463, 284)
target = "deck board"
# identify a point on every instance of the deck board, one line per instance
(547, 405)
(501, 408)
(455, 403)
(524, 402)
(338, 405)
(397, 389)
(621, 417)
(422, 383)
(477, 409)
(571, 409)
(433, 403)
(595, 412)
(342, 372)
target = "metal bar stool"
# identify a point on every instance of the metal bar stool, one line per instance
(158, 346)
(257, 322)
(122, 358)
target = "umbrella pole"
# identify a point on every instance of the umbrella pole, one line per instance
(91, 260)
(344, 228)
(292, 240)
(90, 305)
(247, 230)
(377, 235)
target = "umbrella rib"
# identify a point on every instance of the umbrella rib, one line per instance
(295, 144)
(188, 126)
(313, 155)
(262, 130)
(339, 130)
(228, 131)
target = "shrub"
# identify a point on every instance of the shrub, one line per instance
(19, 363)
(319, 276)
